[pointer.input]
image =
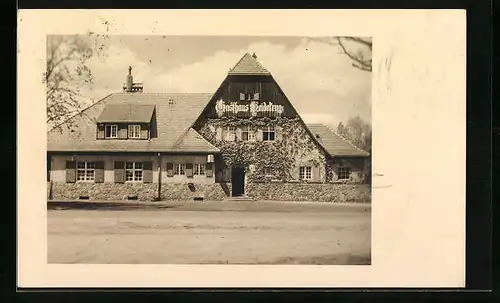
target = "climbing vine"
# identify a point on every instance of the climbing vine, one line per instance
(260, 157)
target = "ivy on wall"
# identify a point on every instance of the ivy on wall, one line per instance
(280, 156)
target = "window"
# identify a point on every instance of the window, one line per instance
(179, 169)
(230, 133)
(249, 96)
(269, 133)
(343, 173)
(134, 131)
(85, 171)
(268, 172)
(199, 169)
(305, 173)
(133, 171)
(247, 134)
(111, 131)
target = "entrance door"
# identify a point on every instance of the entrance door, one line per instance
(237, 180)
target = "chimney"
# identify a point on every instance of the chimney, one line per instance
(130, 79)
(129, 85)
(254, 56)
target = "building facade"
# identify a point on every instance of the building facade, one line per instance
(246, 139)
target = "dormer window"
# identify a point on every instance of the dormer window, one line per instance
(249, 96)
(126, 121)
(134, 131)
(111, 131)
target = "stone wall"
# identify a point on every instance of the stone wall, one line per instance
(341, 193)
(144, 191)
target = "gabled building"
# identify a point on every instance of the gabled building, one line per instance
(239, 141)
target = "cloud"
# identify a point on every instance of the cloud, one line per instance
(320, 82)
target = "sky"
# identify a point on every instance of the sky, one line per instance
(317, 78)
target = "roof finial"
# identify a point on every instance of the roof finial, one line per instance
(254, 56)
(130, 70)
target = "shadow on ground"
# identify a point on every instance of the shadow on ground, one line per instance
(104, 206)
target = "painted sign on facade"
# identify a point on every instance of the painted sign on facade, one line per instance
(253, 108)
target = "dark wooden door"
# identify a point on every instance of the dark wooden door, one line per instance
(238, 181)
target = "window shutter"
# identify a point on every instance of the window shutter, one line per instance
(99, 172)
(170, 169)
(100, 131)
(296, 172)
(209, 170)
(218, 134)
(279, 131)
(335, 177)
(122, 131)
(258, 135)
(189, 170)
(256, 96)
(71, 171)
(242, 96)
(147, 172)
(315, 174)
(145, 131)
(119, 172)
(238, 134)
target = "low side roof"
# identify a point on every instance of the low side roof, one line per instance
(140, 113)
(174, 115)
(333, 143)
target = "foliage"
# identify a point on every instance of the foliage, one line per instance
(358, 49)
(67, 72)
(358, 132)
(295, 144)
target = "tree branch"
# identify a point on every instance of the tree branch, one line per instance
(361, 64)
(361, 41)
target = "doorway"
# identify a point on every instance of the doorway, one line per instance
(237, 180)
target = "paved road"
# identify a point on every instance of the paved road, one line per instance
(225, 232)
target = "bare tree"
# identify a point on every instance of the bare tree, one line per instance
(358, 49)
(66, 73)
(356, 131)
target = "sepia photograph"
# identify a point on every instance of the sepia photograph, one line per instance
(166, 149)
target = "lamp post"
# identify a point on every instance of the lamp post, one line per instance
(158, 198)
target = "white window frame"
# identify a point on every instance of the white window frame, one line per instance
(250, 133)
(269, 130)
(343, 172)
(180, 169)
(199, 169)
(305, 173)
(230, 133)
(134, 171)
(111, 128)
(134, 131)
(85, 172)
(249, 96)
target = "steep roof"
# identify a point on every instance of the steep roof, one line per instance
(248, 65)
(174, 115)
(333, 143)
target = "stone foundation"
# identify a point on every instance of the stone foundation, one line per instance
(338, 193)
(144, 192)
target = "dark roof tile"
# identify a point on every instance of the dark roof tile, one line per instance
(127, 113)
(333, 143)
(174, 115)
(248, 65)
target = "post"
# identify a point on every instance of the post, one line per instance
(159, 178)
